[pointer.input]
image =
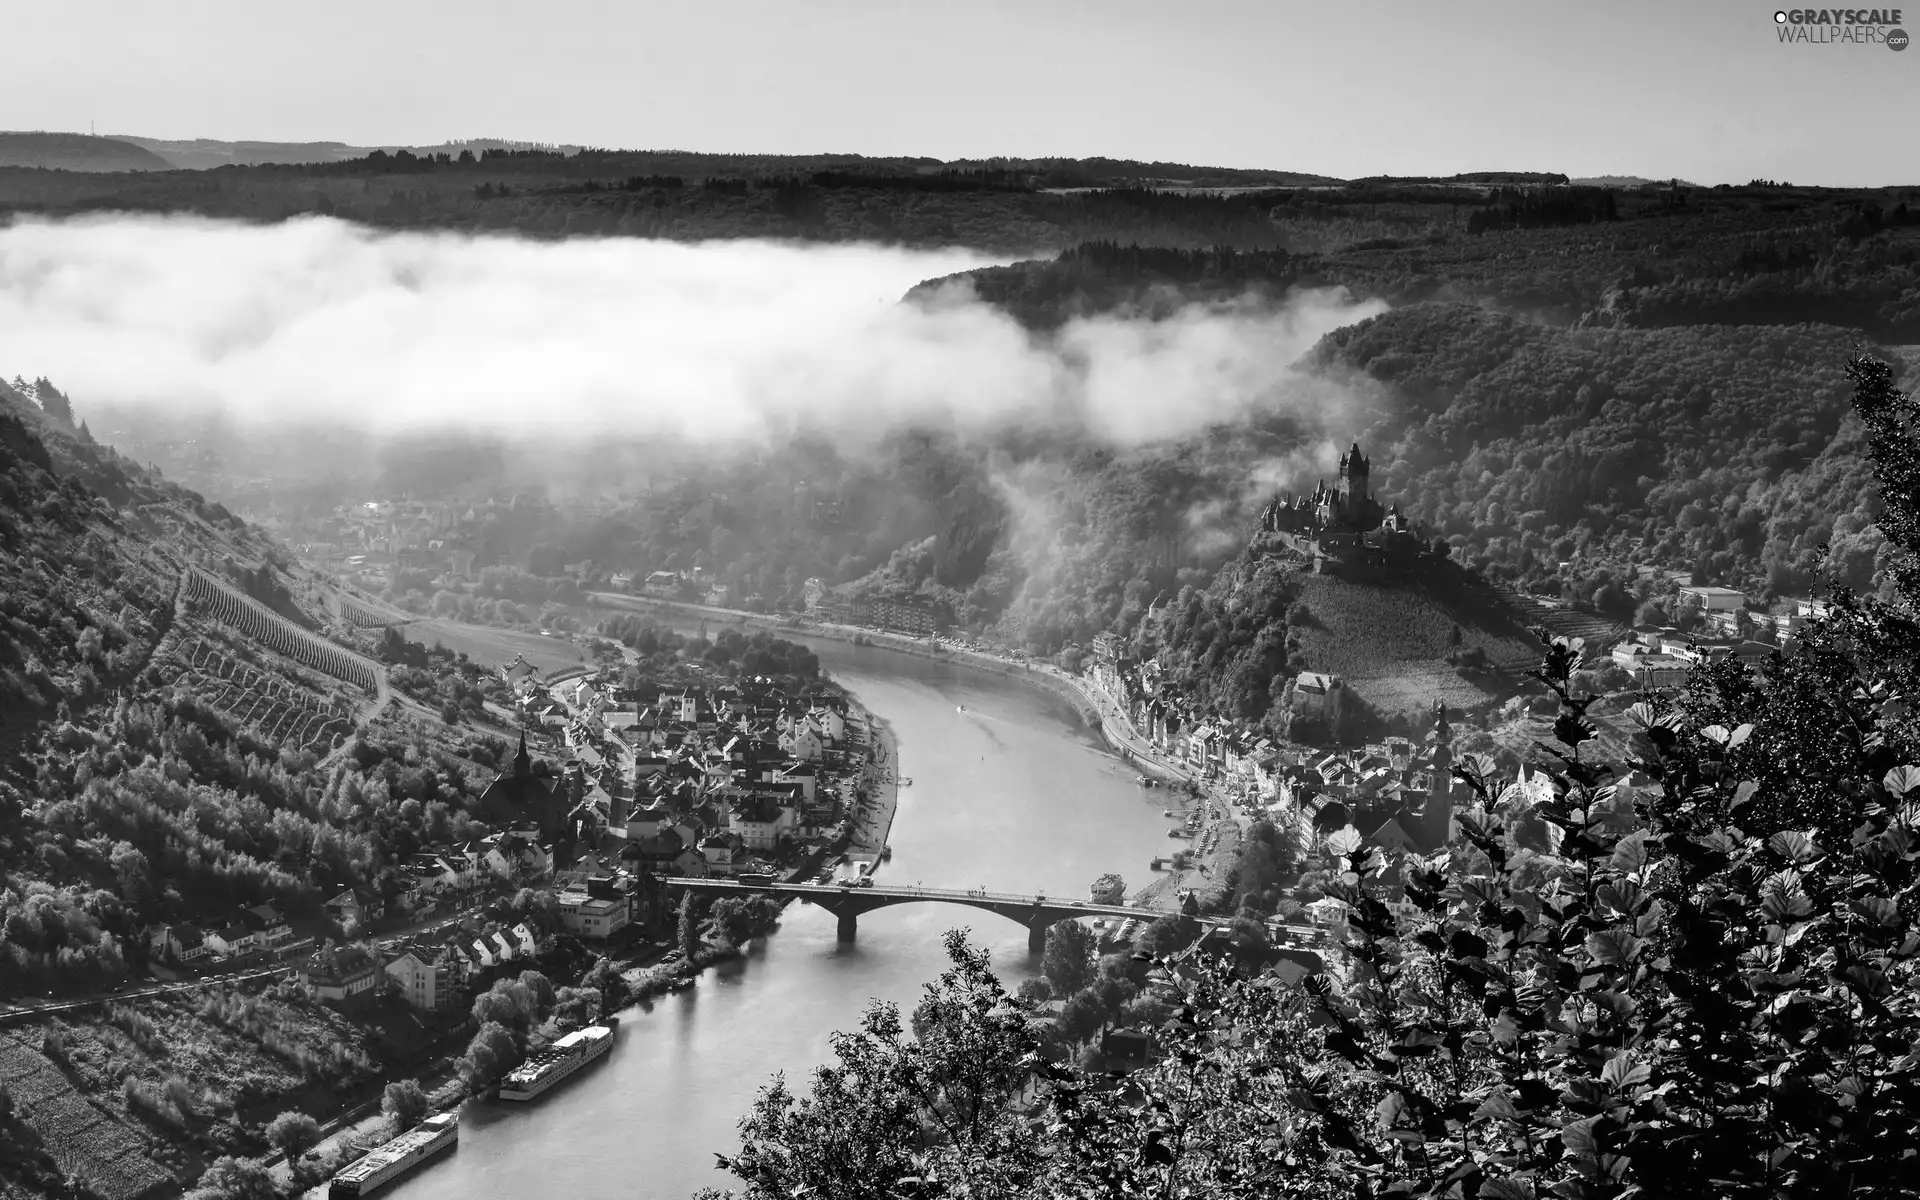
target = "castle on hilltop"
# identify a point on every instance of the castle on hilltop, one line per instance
(1342, 526)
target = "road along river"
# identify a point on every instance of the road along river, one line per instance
(1010, 793)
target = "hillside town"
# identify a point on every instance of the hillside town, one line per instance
(645, 783)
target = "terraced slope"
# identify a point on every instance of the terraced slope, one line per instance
(1391, 641)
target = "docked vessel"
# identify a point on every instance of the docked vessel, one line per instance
(388, 1162)
(546, 1068)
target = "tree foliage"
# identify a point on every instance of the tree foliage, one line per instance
(405, 1102)
(293, 1133)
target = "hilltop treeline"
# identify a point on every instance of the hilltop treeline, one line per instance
(1644, 258)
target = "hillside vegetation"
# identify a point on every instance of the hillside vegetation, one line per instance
(162, 764)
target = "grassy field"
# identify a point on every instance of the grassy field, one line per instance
(492, 647)
(1391, 642)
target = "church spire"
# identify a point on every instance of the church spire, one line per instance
(522, 764)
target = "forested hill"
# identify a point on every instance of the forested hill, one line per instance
(1726, 451)
(1649, 257)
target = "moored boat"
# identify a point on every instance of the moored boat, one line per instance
(548, 1067)
(388, 1162)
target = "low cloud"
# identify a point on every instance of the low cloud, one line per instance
(720, 342)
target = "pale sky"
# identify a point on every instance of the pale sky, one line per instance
(1701, 89)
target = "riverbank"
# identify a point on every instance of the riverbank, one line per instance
(872, 820)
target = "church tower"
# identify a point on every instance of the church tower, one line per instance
(522, 762)
(1353, 475)
(1436, 820)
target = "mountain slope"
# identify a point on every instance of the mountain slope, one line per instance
(76, 152)
(177, 742)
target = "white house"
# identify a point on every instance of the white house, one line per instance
(179, 942)
(831, 724)
(232, 939)
(804, 743)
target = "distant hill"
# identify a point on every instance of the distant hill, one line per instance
(76, 152)
(1625, 181)
(201, 154)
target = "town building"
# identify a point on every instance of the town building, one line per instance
(917, 617)
(595, 908)
(179, 942)
(1321, 699)
(432, 979)
(355, 907)
(344, 978)
(232, 939)
(270, 928)
(1714, 599)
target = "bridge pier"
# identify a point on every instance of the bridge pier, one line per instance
(1037, 936)
(848, 924)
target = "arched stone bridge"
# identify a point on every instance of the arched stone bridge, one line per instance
(1036, 912)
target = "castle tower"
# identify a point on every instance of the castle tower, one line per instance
(1353, 474)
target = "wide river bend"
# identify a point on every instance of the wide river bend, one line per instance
(1013, 794)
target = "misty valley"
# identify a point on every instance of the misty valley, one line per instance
(1271, 684)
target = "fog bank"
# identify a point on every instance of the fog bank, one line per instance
(319, 320)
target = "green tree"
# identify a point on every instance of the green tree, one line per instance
(404, 1101)
(689, 931)
(1067, 960)
(1168, 934)
(231, 1178)
(293, 1133)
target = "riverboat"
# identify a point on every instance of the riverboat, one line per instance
(1179, 833)
(546, 1068)
(390, 1161)
(1145, 782)
(1158, 864)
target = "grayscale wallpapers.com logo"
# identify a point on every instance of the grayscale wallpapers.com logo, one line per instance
(1842, 26)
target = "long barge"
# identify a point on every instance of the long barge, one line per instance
(389, 1161)
(548, 1067)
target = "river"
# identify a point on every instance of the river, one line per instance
(1013, 794)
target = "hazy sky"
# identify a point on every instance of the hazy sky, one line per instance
(1702, 89)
